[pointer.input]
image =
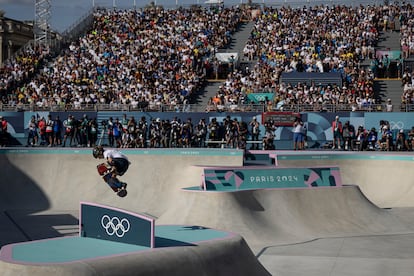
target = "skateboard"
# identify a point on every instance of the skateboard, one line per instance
(113, 182)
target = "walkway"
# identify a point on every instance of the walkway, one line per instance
(388, 88)
(237, 44)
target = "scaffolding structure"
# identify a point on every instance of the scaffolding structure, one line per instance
(41, 26)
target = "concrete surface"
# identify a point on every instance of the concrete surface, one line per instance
(208, 258)
(355, 230)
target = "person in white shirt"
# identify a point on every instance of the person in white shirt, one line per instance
(118, 161)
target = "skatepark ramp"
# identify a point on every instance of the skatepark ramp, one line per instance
(41, 189)
(118, 242)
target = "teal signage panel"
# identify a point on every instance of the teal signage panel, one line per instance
(260, 97)
(220, 179)
(107, 223)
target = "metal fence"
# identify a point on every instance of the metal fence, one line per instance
(199, 108)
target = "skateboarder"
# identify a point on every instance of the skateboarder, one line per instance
(118, 165)
(117, 160)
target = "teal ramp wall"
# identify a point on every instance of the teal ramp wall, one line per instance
(230, 179)
(107, 223)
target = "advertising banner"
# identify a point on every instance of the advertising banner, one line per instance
(259, 97)
(391, 54)
(259, 178)
(107, 223)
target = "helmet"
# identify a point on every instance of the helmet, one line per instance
(97, 151)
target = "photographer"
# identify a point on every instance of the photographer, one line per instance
(401, 143)
(93, 132)
(255, 132)
(269, 137)
(213, 128)
(385, 142)
(69, 126)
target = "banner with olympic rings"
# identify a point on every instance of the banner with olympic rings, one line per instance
(113, 224)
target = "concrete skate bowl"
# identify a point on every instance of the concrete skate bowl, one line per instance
(40, 194)
(60, 179)
(386, 179)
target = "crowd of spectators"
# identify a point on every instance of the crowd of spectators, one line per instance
(156, 57)
(20, 69)
(309, 39)
(384, 138)
(407, 48)
(131, 132)
(321, 39)
(149, 57)
(128, 132)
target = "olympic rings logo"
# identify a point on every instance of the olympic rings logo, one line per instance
(115, 226)
(396, 125)
(259, 98)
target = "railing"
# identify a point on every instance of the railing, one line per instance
(198, 108)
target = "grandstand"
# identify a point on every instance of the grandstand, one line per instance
(185, 75)
(165, 60)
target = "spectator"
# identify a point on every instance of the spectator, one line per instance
(268, 139)
(385, 141)
(372, 139)
(213, 128)
(117, 131)
(337, 133)
(411, 139)
(57, 131)
(201, 133)
(4, 134)
(401, 142)
(361, 141)
(298, 134)
(69, 125)
(389, 106)
(32, 137)
(42, 131)
(348, 134)
(110, 130)
(93, 132)
(255, 132)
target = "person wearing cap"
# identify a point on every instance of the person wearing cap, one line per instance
(117, 165)
(401, 142)
(337, 133)
(386, 140)
(255, 131)
(117, 160)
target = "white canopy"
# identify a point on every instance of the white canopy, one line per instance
(226, 57)
(216, 2)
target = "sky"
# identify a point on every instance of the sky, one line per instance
(66, 13)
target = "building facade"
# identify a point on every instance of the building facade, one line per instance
(14, 34)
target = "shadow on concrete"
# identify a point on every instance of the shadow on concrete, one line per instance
(21, 204)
